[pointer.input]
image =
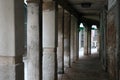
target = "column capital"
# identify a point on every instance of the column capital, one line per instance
(33, 1)
(59, 7)
(48, 5)
(66, 12)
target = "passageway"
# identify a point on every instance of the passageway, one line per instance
(43, 39)
(86, 68)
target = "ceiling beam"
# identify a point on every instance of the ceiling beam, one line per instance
(66, 5)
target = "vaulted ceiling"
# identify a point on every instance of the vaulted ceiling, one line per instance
(88, 9)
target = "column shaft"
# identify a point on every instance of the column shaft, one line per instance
(11, 40)
(85, 42)
(72, 38)
(66, 39)
(49, 41)
(60, 53)
(34, 52)
(80, 39)
(75, 40)
(89, 41)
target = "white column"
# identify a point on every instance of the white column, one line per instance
(33, 41)
(60, 48)
(49, 41)
(66, 39)
(11, 39)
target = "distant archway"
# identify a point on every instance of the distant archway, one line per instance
(94, 40)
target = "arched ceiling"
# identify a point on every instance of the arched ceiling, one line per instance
(89, 8)
(85, 10)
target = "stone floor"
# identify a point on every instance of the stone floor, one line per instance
(87, 68)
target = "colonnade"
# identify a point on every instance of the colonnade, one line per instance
(52, 40)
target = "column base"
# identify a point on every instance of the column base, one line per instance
(49, 64)
(66, 62)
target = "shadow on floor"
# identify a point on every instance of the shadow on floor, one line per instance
(86, 68)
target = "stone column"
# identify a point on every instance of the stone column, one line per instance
(77, 40)
(60, 48)
(89, 40)
(49, 40)
(103, 37)
(75, 36)
(66, 39)
(80, 39)
(11, 39)
(34, 42)
(72, 38)
(85, 42)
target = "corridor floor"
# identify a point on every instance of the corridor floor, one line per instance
(86, 68)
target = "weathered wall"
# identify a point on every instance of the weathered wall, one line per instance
(111, 43)
(118, 38)
(112, 40)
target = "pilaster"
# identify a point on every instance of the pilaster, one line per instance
(33, 64)
(11, 40)
(49, 40)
